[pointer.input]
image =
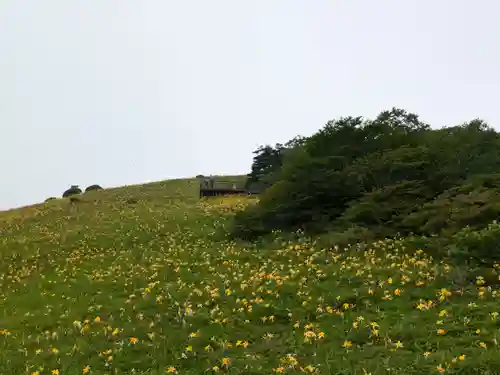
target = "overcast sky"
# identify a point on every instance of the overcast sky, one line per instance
(121, 92)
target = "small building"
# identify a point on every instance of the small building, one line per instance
(208, 188)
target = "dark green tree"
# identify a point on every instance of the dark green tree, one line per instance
(93, 187)
(267, 161)
(73, 190)
(381, 174)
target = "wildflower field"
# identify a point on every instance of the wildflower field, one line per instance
(142, 280)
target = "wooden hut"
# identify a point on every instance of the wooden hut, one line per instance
(209, 188)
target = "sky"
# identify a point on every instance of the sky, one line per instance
(123, 92)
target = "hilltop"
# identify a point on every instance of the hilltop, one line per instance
(143, 280)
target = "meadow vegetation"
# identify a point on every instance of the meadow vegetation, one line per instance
(372, 250)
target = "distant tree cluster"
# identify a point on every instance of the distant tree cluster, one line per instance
(75, 190)
(390, 175)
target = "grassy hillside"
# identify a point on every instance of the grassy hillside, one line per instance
(139, 280)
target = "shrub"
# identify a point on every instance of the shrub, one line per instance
(474, 205)
(476, 247)
(75, 199)
(386, 207)
(132, 200)
(50, 199)
(73, 190)
(249, 224)
(349, 237)
(93, 187)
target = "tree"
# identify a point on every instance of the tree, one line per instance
(93, 187)
(266, 162)
(378, 174)
(73, 190)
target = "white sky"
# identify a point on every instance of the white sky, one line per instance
(120, 92)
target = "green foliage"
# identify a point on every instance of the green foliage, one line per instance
(384, 209)
(455, 209)
(50, 199)
(354, 235)
(249, 223)
(93, 187)
(73, 190)
(267, 163)
(75, 199)
(477, 247)
(391, 175)
(132, 200)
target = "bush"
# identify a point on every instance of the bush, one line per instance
(249, 224)
(132, 200)
(474, 204)
(476, 247)
(385, 208)
(75, 199)
(93, 187)
(50, 199)
(351, 236)
(73, 190)
(391, 175)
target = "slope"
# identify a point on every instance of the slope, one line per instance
(141, 280)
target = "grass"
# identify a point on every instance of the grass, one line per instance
(139, 280)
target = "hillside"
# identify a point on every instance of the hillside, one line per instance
(140, 280)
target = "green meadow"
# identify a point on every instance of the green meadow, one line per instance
(144, 280)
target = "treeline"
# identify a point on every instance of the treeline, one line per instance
(393, 175)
